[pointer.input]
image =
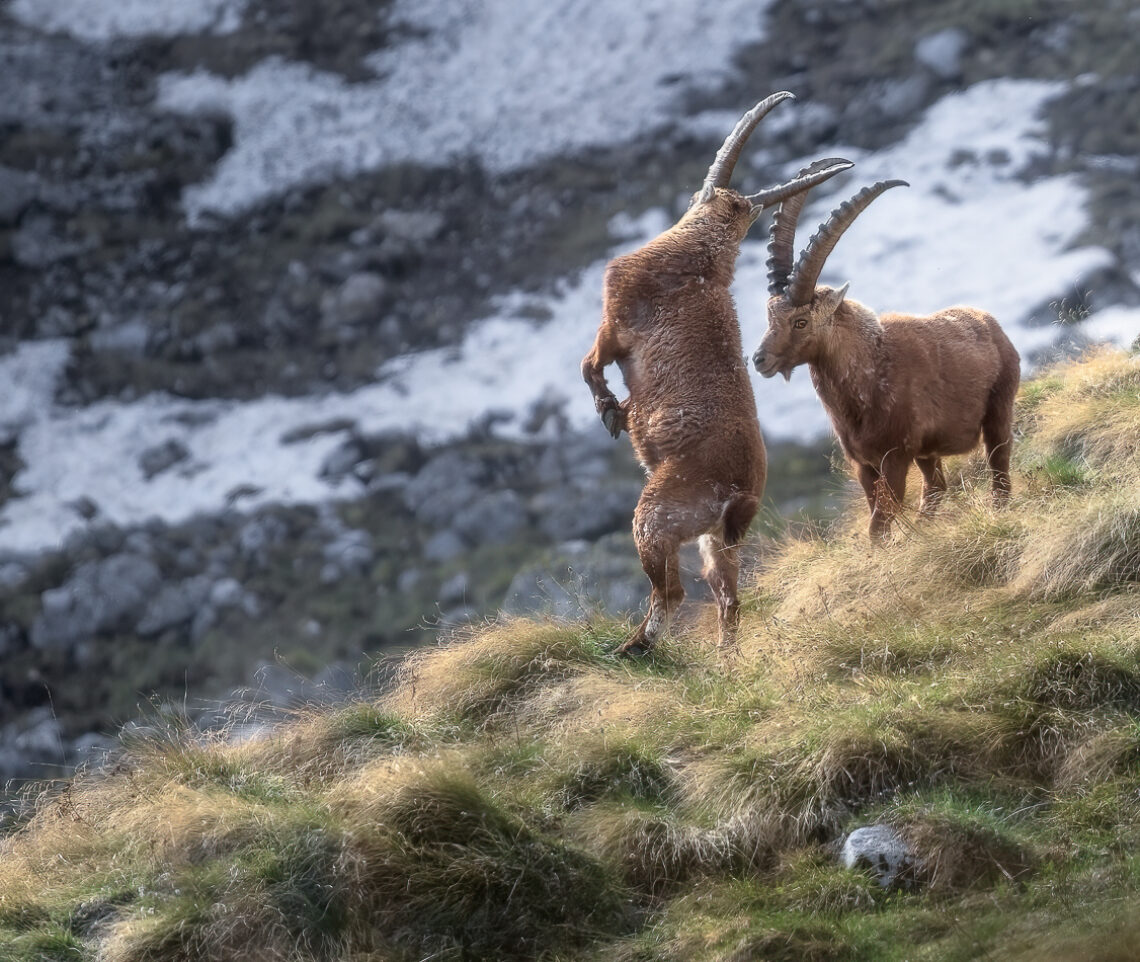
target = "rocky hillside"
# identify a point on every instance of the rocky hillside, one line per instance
(927, 751)
(292, 296)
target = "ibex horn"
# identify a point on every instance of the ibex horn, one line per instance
(774, 195)
(782, 233)
(721, 170)
(801, 286)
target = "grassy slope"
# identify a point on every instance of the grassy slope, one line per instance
(518, 794)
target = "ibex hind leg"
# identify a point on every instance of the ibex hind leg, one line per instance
(722, 572)
(660, 557)
(721, 553)
(997, 436)
(669, 513)
(933, 484)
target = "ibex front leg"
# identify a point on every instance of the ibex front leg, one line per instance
(884, 488)
(607, 349)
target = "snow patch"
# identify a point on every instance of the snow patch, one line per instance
(29, 375)
(505, 82)
(92, 20)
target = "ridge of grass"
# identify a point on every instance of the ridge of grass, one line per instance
(518, 794)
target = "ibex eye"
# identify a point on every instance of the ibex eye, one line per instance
(801, 323)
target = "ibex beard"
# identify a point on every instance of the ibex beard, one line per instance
(669, 322)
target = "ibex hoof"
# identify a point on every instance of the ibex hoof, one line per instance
(634, 648)
(614, 420)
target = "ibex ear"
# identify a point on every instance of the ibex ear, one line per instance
(829, 299)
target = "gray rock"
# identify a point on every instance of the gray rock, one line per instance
(942, 52)
(250, 604)
(36, 736)
(226, 593)
(459, 615)
(493, 518)
(259, 535)
(335, 681)
(100, 596)
(356, 301)
(582, 577)
(58, 321)
(92, 749)
(351, 551)
(408, 579)
(576, 458)
(37, 243)
(881, 849)
(162, 457)
(174, 605)
(29, 744)
(204, 620)
(10, 638)
(443, 487)
(18, 189)
(12, 574)
(454, 590)
(404, 232)
(586, 510)
(394, 483)
(341, 461)
(535, 591)
(84, 507)
(445, 545)
(129, 338)
(140, 543)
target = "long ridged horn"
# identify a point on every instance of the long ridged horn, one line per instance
(802, 182)
(783, 229)
(721, 170)
(801, 286)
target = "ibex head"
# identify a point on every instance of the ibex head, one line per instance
(718, 205)
(799, 311)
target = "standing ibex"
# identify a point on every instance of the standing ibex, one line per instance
(898, 388)
(669, 322)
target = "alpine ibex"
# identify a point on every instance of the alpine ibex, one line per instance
(669, 322)
(898, 388)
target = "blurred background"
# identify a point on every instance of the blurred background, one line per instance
(293, 295)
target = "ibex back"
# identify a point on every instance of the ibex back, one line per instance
(669, 321)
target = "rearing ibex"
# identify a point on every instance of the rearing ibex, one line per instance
(669, 322)
(898, 388)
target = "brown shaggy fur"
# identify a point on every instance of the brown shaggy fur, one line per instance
(900, 388)
(669, 321)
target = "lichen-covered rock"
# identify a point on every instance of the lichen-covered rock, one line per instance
(884, 851)
(100, 596)
(161, 457)
(175, 604)
(942, 52)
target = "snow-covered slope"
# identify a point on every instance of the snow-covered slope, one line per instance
(504, 82)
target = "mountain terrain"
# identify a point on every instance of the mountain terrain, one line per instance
(293, 294)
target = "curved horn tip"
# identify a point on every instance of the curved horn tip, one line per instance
(779, 97)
